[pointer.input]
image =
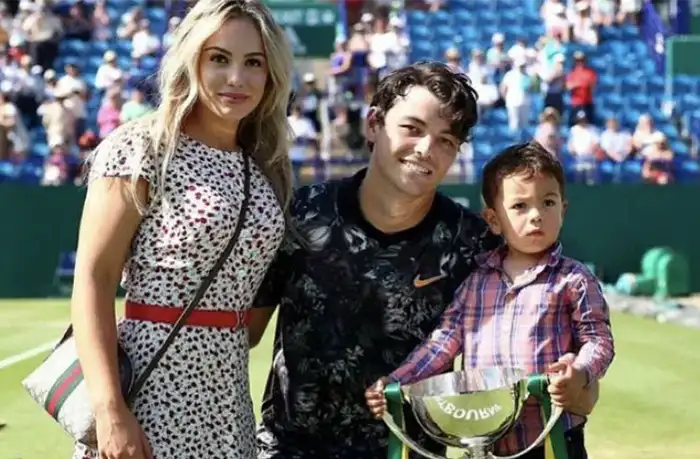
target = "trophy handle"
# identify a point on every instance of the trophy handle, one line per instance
(551, 423)
(401, 435)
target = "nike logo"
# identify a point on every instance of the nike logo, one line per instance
(420, 283)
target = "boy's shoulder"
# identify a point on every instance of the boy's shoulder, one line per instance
(575, 271)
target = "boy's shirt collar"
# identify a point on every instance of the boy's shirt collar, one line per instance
(494, 258)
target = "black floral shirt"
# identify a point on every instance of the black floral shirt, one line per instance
(353, 304)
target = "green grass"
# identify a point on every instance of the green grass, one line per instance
(648, 407)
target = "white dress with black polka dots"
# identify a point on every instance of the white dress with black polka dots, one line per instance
(196, 404)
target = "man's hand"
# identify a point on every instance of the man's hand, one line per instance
(374, 396)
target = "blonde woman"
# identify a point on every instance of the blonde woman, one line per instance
(163, 199)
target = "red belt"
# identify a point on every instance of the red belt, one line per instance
(198, 317)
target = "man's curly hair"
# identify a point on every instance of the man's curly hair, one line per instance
(452, 88)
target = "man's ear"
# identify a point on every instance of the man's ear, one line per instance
(371, 124)
(492, 220)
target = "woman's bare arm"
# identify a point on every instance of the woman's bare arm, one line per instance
(108, 224)
(259, 319)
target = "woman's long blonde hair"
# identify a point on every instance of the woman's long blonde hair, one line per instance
(179, 84)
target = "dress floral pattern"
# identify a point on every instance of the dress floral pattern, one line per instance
(196, 404)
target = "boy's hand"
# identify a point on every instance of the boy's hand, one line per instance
(374, 396)
(567, 383)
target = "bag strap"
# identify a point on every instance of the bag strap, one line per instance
(206, 282)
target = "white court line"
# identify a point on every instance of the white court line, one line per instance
(26, 354)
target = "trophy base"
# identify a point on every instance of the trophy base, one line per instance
(476, 448)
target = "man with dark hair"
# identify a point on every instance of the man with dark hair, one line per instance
(368, 268)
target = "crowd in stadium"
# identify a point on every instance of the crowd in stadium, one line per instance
(57, 103)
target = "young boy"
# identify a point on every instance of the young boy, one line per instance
(525, 305)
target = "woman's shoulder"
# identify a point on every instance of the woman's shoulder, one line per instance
(134, 133)
(125, 150)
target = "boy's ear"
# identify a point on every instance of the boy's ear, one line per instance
(564, 206)
(492, 220)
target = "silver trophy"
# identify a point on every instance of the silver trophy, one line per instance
(469, 410)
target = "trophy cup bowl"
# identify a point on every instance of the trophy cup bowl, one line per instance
(469, 409)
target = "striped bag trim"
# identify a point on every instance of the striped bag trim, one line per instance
(63, 388)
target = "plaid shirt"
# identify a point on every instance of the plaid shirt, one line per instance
(557, 307)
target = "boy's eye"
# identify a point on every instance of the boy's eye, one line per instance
(549, 202)
(410, 129)
(519, 205)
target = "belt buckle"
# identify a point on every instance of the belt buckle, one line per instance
(240, 317)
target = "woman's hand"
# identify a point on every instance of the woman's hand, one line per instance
(120, 436)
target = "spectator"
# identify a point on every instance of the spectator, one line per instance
(26, 87)
(582, 25)
(101, 22)
(16, 135)
(358, 46)
(109, 114)
(58, 119)
(109, 72)
(518, 51)
(77, 104)
(86, 144)
(496, 56)
(44, 32)
(630, 11)
(18, 49)
(435, 5)
(553, 14)
(144, 42)
(309, 98)
(615, 143)
(50, 84)
(488, 92)
(398, 52)
(76, 24)
(130, 23)
(644, 134)
(72, 79)
(453, 59)
(554, 84)
(59, 167)
(581, 81)
(547, 132)
(305, 134)
(173, 23)
(515, 88)
(135, 107)
(5, 25)
(658, 161)
(339, 73)
(603, 12)
(477, 66)
(583, 146)
(552, 48)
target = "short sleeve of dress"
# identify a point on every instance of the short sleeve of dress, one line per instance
(121, 152)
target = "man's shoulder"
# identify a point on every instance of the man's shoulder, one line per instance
(469, 228)
(315, 198)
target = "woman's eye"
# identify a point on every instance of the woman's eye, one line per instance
(218, 58)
